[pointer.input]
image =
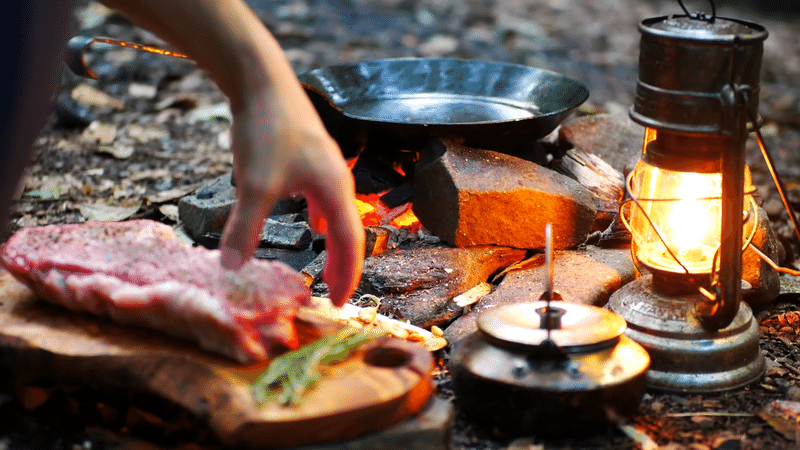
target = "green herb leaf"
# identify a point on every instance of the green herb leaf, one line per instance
(289, 376)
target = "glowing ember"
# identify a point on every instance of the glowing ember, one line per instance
(374, 213)
(407, 220)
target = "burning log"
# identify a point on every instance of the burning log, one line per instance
(606, 184)
(377, 240)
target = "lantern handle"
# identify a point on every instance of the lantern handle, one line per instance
(700, 15)
(768, 160)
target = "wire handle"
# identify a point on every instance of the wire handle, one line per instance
(78, 46)
(700, 15)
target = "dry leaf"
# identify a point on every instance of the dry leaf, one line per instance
(473, 295)
(100, 133)
(784, 417)
(147, 133)
(46, 193)
(218, 111)
(92, 96)
(119, 151)
(140, 90)
(169, 211)
(104, 212)
(171, 194)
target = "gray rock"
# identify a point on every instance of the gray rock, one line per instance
(419, 284)
(615, 138)
(206, 210)
(588, 276)
(470, 196)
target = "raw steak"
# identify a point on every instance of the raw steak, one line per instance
(138, 272)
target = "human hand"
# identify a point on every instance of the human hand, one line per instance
(280, 148)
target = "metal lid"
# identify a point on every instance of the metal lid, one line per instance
(582, 326)
(719, 29)
(687, 64)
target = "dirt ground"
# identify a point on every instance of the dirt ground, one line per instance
(167, 123)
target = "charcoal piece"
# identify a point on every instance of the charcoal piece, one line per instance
(312, 272)
(297, 260)
(398, 196)
(291, 236)
(289, 205)
(372, 175)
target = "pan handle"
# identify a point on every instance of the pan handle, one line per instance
(78, 46)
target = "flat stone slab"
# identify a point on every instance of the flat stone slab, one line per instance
(419, 284)
(588, 276)
(469, 197)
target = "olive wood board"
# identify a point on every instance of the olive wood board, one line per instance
(374, 388)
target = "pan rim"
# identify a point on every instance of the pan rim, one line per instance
(324, 82)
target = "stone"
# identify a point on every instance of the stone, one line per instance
(419, 284)
(204, 212)
(208, 208)
(588, 276)
(765, 280)
(615, 138)
(471, 197)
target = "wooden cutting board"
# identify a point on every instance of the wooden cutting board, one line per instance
(371, 390)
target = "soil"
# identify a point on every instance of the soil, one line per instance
(170, 131)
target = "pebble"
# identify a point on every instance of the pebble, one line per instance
(793, 393)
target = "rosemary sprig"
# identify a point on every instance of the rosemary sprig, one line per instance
(290, 375)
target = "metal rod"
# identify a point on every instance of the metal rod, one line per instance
(548, 258)
(78, 46)
(698, 16)
(775, 176)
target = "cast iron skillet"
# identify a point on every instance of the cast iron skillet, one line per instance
(480, 103)
(407, 101)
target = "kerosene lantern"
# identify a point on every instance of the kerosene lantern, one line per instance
(691, 212)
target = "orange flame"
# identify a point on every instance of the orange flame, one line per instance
(374, 213)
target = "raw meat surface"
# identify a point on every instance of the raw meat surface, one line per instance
(138, 272)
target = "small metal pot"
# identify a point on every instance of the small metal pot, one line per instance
(523, 379)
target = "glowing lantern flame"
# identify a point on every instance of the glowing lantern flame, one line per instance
(690, 219)
(684, 209)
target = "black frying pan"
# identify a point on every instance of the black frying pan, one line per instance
(407, 101)
(483, 104)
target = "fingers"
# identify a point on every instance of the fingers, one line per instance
(345, 237)
(243, 228)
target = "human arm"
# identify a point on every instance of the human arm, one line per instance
(279, 143)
